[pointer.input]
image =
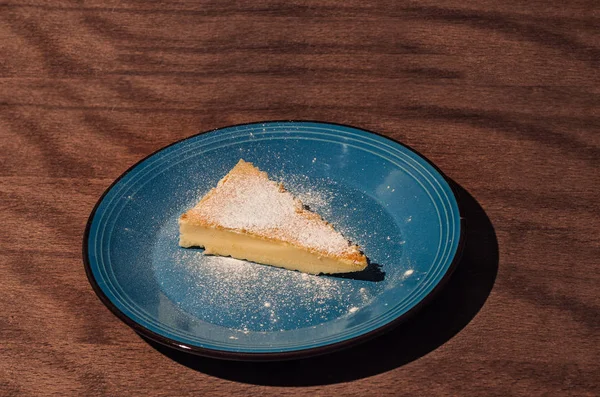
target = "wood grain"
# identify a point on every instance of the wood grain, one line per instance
(503, 96)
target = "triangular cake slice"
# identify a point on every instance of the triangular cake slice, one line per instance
(248, 216)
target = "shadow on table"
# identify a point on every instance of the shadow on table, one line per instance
(448, 313)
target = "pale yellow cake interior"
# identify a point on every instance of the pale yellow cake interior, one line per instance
(255, 249)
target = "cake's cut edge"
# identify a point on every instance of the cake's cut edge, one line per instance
(257, 249)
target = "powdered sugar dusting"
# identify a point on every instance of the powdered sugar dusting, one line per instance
(247, 200)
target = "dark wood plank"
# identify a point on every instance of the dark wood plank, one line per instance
(502, 96)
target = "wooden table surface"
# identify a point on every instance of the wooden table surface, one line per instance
(504, 96)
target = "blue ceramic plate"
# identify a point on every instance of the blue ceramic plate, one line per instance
(378, 193)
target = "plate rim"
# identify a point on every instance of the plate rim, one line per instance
(285, 355)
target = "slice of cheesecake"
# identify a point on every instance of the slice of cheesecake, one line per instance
(247, 216)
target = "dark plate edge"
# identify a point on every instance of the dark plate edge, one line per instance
(275, 356)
